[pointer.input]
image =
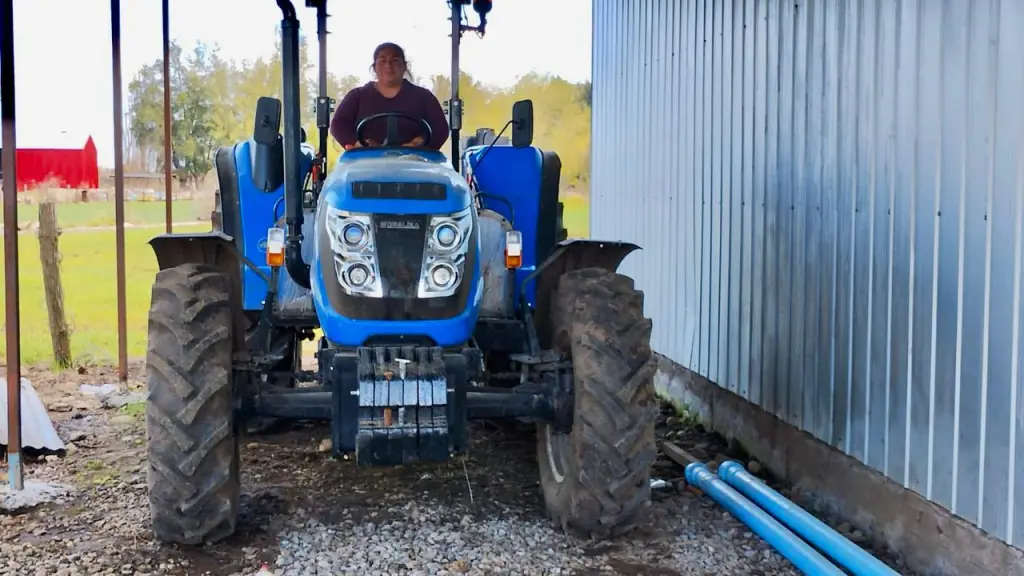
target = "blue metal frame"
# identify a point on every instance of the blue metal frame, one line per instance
(395, 166)
(513, 175)
(259, 211)
(510, 179)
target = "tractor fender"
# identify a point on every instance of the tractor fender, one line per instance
(571, 255)
(214, 249)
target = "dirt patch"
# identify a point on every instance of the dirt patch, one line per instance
(303, 512)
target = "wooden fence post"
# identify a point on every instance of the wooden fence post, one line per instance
(49, 256)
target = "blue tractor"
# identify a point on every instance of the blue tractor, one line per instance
(445, 291)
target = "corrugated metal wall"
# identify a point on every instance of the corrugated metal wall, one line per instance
(830, 198)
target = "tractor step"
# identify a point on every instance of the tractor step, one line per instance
(296, 311)
(395, 405)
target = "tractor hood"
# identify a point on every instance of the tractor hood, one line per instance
(396, 182)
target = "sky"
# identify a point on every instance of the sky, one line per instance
(63, 69)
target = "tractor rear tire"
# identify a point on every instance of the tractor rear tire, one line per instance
(193, 471)
(596, 478)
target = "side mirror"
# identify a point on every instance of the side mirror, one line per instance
(267, 126)
(522, 123)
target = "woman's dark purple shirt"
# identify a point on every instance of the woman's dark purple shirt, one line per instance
(411, 99)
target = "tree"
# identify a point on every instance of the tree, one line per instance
(214, 104)
(145, 105)
(586, 93)
(561, 115)
(193, 126)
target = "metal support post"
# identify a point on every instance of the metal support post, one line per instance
(168, 157)
(122, 314)
(15, 472)
(455, 104)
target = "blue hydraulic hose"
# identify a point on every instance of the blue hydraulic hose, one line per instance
(805, 558)
(835, 545)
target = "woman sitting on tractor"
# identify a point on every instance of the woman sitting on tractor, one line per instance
(390, 92)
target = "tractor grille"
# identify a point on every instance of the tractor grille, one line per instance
(399, 191)
(400, 240)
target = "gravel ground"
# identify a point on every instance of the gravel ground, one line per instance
(306, 514)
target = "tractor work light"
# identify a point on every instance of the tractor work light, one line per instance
(358, 274)
(443, 275)
(444, 256)
(275, 247)
(355, 254)
(355, 239)
(513, 249)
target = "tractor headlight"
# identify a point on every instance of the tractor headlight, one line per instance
(444, 256)
(354, 234)
(355, 255)
(449, 234)
(358, 275)
(443, 275)
(446, 235)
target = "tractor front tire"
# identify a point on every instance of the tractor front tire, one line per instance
(192, 441)
(596, 478)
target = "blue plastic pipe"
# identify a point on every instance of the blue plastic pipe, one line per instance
(805, 558)
(850, 556)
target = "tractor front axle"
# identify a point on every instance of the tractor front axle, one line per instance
(395, 405)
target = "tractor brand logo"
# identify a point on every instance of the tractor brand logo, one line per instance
(262, 245)
(400, 224)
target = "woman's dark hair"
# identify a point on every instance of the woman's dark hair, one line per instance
(398, 50)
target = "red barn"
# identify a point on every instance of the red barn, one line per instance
(68, 160)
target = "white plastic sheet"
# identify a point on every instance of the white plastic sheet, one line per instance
(37, 430)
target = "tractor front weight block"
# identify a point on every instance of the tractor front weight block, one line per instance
(395, 405)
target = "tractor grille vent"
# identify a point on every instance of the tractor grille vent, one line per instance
(399, 191)
(400, 240)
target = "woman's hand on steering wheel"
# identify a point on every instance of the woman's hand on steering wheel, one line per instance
(415, 142)
(357, 144)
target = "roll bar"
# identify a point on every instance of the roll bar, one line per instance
(296, 267)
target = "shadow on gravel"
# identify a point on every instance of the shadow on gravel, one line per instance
(284, 474)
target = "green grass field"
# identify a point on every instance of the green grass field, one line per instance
(90, 287)
(90, 293)
(576, 216)
(95, 214)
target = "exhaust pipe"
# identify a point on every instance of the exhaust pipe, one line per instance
(297, 268)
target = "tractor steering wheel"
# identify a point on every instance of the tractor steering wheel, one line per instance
(391, 139)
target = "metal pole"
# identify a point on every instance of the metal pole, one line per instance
(167, 114)
(455, 104)
(325, 121)
(122, 316)
(15, 473)
(293, 201)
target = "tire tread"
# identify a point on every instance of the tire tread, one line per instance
(598, 316)
(193, 475)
